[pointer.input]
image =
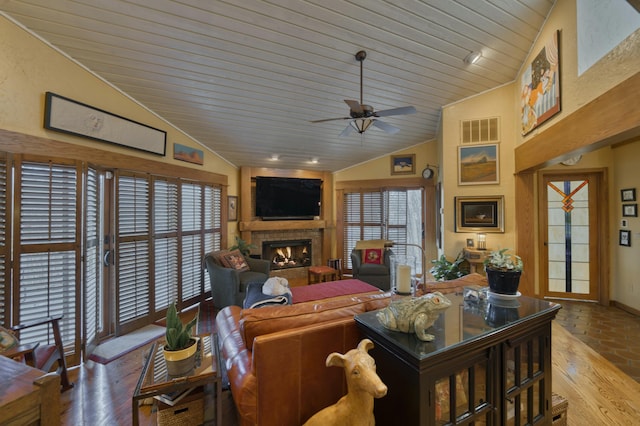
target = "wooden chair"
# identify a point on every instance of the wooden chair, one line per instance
(43, 356)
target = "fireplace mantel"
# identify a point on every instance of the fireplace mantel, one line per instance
(279, 225)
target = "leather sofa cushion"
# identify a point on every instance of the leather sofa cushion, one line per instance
(270, 319)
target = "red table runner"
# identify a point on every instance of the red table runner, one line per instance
(330, 289)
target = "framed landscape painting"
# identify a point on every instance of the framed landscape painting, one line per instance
(478, 164)
(479, 214)
(403, 164)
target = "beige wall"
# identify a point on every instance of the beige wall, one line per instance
(618, 65)
(30, 67)
(494, 103)
(615, 67)
(380, 168)
(625, 265)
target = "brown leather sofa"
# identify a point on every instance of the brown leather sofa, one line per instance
(275, 356)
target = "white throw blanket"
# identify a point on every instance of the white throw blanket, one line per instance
(276, 286)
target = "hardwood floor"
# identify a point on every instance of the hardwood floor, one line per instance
(598, 392)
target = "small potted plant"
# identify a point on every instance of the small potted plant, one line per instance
(445, 270)
(503, 272)
(181, 347)
(243, 246)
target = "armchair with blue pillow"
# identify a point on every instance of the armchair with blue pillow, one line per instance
(230, 273)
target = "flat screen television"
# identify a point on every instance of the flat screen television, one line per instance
(279, 198)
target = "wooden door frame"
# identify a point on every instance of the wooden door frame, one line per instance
(600, 203)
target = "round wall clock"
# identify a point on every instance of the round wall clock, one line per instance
(427, 173)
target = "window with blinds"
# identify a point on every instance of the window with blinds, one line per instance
(165, 226)
(132, 247)
(55, 272)
(4, 246)
(393, 214)
(48, 250)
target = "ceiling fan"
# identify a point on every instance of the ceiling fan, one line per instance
(364, 116)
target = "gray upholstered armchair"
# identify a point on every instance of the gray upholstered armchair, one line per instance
(378, 275)
(228, 285)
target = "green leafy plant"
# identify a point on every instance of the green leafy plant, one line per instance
(444, 270)
(502, 261)
(178, 335)
(243, 246)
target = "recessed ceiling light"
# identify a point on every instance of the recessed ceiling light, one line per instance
(473, 57)
(275, 157)
(314, 161)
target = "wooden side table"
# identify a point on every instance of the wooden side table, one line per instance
(318, 274)
(28, 396)
(476, 259)
(155, 381)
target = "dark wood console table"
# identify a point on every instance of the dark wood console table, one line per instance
(490, 363)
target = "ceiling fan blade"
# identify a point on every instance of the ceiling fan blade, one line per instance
(330, 119)
(396, 111)
(386, 127)
(354, 105)
(347, 131)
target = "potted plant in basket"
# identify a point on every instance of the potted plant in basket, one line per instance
(503, 272)
(181, 347)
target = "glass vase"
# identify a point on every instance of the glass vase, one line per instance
(403, 274)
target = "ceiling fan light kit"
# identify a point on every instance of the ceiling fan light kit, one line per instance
(361, 124)
(363, 116)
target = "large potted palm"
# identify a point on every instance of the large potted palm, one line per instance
(503, 272)
(181, 347)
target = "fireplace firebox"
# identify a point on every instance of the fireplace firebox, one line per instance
(287, 254)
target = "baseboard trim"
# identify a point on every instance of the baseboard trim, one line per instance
(626, 308)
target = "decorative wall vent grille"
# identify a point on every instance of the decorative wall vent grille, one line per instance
(480, 131)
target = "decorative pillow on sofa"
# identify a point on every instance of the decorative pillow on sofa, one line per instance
(373, 256)
(235, 260)
(7, 340)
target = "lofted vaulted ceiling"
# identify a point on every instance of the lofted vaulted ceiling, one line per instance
(246, 77)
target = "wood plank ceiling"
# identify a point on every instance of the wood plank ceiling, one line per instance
(245, 77)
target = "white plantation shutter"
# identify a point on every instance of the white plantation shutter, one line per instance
(132, 248)
(396, 218)
(212, 226)
(48, 252)
(93, 265)
(165, 231)
(363, 219)
(4, 242)
(192, 219)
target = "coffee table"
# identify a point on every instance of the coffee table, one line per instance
(154, 379)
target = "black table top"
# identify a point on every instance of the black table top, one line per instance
(464, 322)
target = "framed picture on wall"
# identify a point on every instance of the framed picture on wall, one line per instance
(233, 208)
(628, 194)
(540, 93)
(630, 210)
(625, 238)
(479, 214)
(403, 164)
(478, 164)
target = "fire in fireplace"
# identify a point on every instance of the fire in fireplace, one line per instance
(287, 254)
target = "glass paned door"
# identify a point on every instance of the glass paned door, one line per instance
(571, 237)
